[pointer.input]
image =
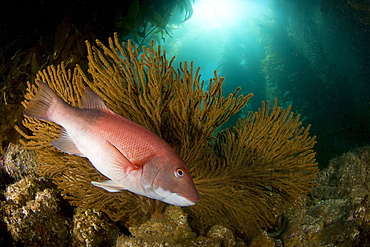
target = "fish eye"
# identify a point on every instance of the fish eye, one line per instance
(179, 173)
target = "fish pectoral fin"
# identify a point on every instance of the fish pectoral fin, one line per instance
(109, 185)
(118, 161)
(65, 144)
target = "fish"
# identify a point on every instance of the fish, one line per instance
(132, 157)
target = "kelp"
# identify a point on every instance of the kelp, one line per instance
(151, 18)
(361, 11)
(245, 174)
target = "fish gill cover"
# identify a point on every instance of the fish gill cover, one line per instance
(246, 174)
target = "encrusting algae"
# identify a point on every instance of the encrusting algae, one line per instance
(32, 209)
(245, 175)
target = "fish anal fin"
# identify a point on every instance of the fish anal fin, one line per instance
(65, 144)
(109, 185)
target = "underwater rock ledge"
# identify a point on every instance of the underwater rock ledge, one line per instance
(335, 213)
(33, 213)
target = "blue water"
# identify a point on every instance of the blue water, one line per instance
(311, 54)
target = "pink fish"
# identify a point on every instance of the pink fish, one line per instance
(131, 156)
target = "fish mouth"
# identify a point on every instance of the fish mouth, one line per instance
(190, 198)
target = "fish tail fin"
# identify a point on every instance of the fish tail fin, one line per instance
(44, 100)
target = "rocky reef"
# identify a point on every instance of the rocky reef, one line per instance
(32, 209)
(35, 214)
(336, 213)
(172, 229)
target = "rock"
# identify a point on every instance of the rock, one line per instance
(172, 229)
(93, 228)
(19, 163)
(337, 213)
(33, 215)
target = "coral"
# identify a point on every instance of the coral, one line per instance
(261, 166)
(245, 175)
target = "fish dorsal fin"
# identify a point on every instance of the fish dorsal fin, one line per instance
(91, 100)
(65, 144)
